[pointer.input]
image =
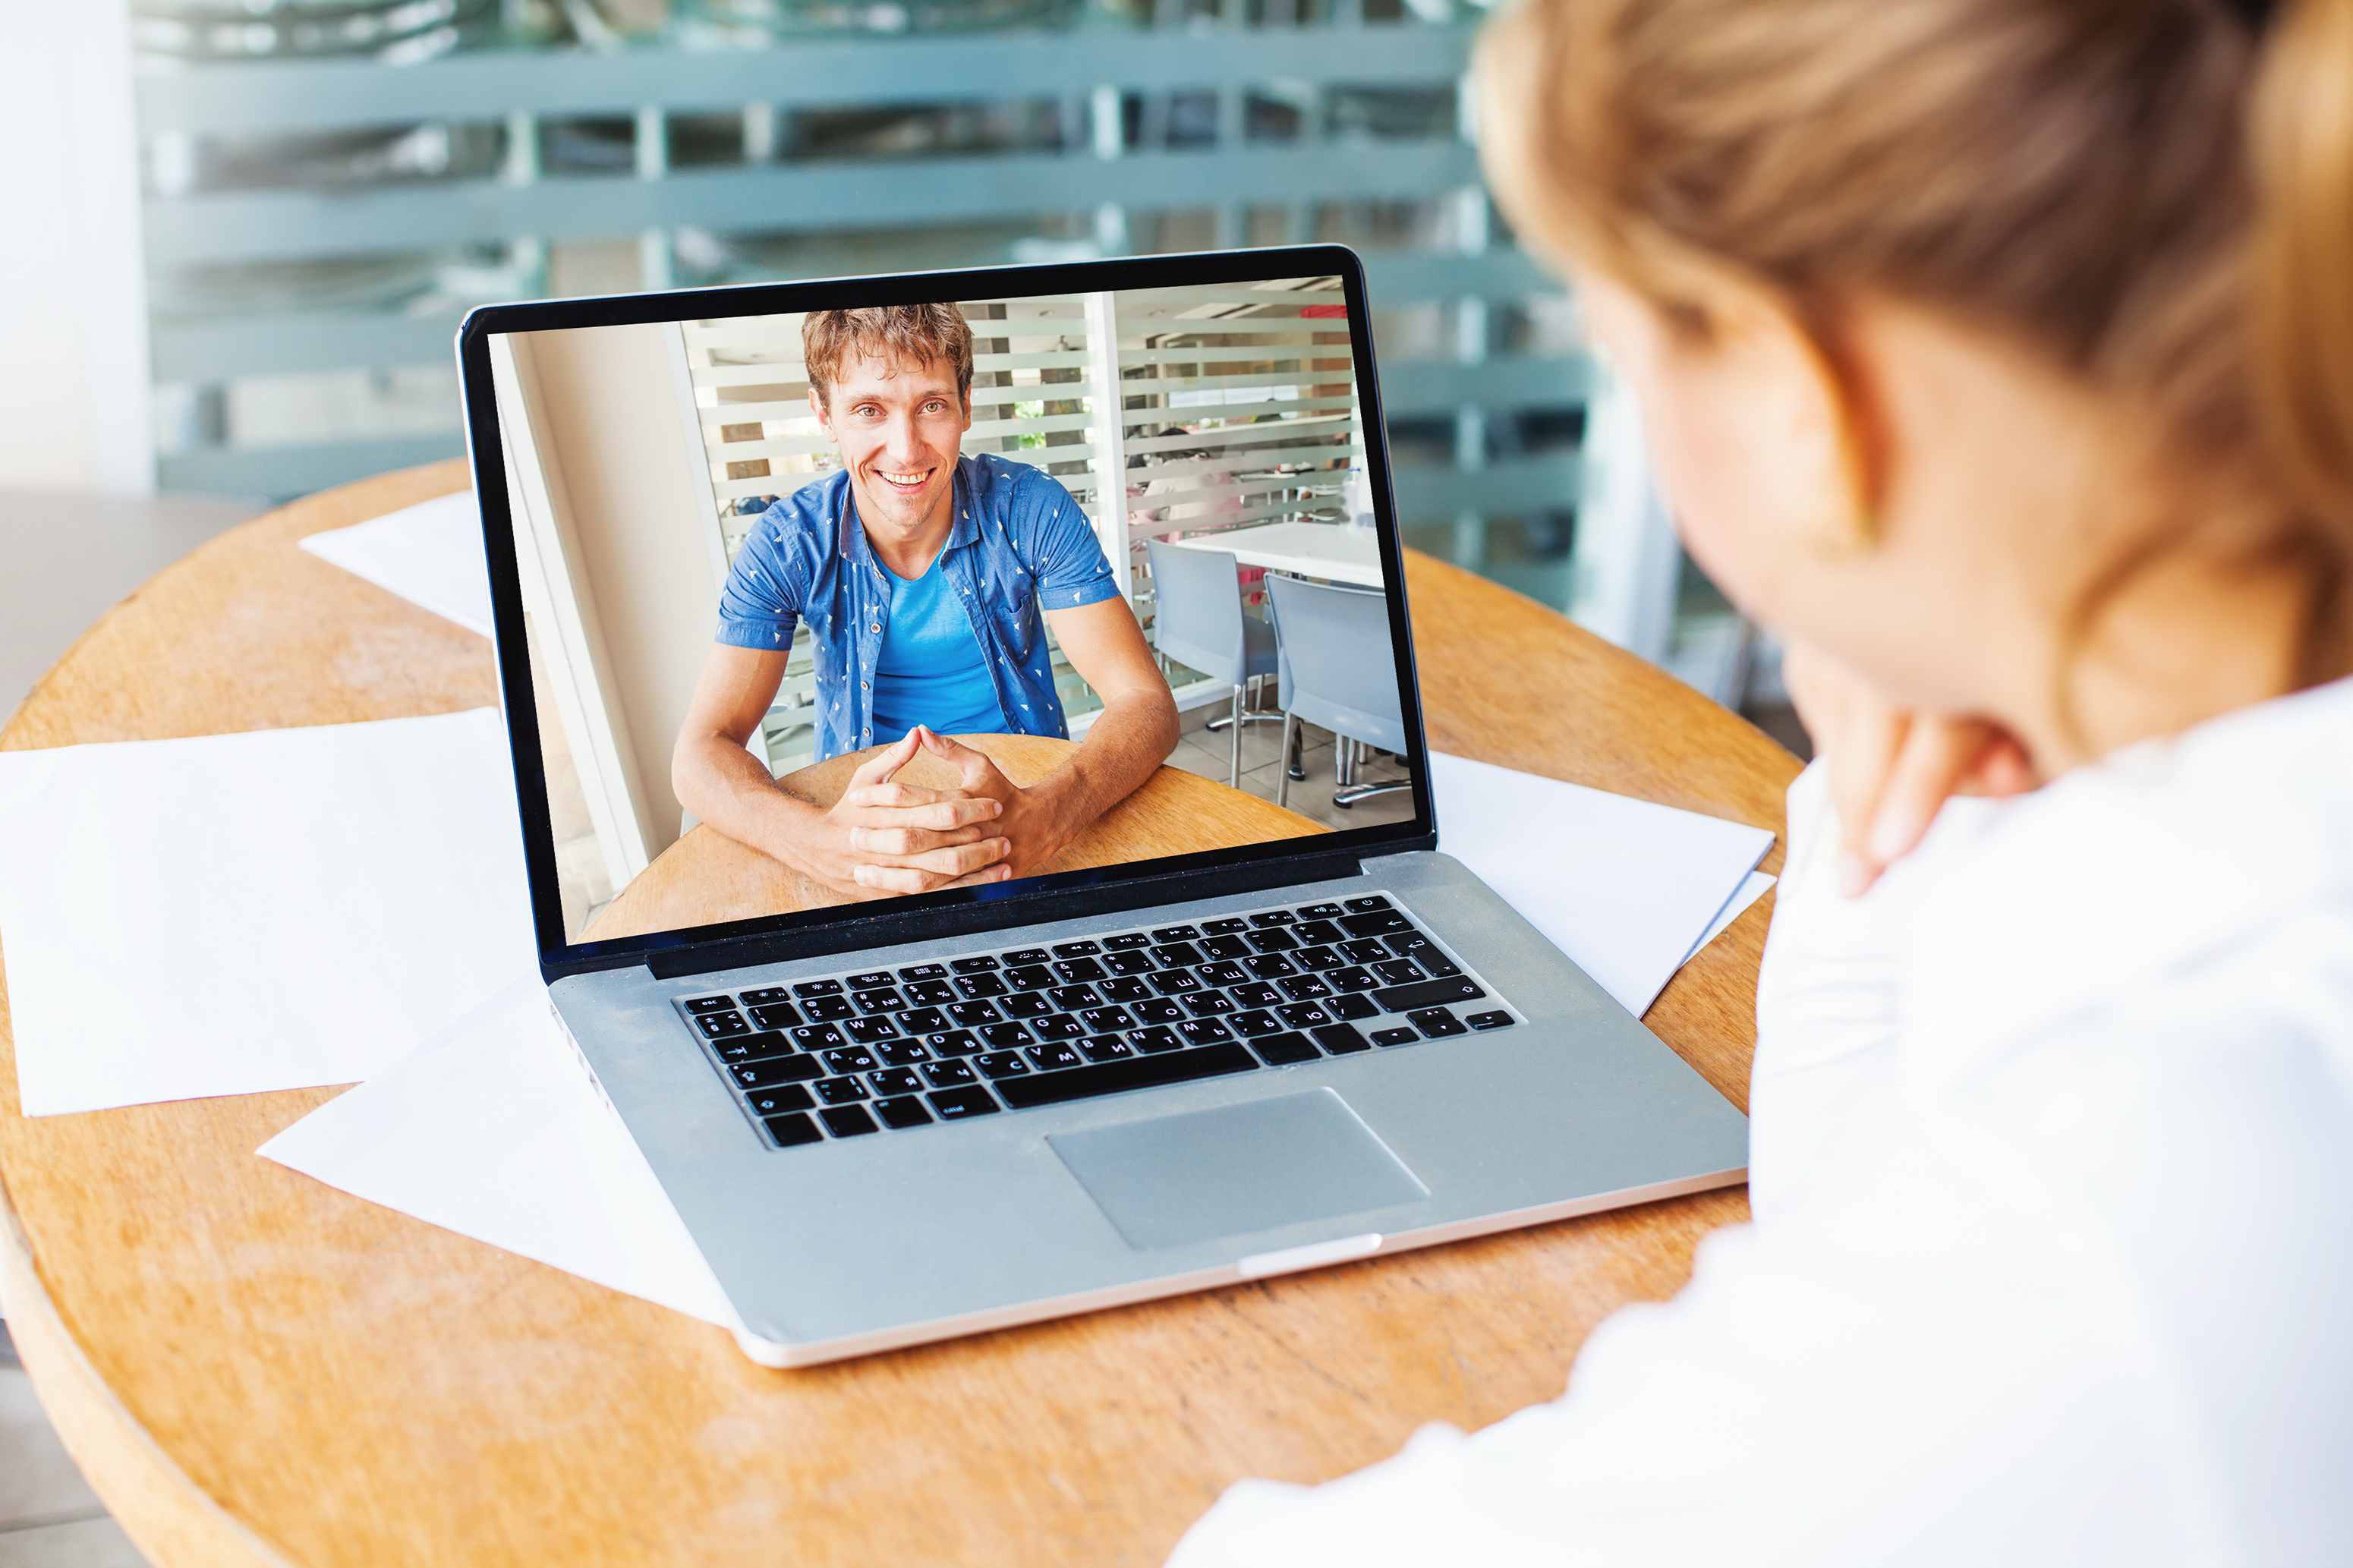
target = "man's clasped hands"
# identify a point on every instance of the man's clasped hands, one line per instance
(885, 836)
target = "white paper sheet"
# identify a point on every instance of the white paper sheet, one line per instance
(1754, 887)
(429, 554)
(230, 914)
(1621, 885)
(492, 1129)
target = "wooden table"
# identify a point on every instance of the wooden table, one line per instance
(255, 1368)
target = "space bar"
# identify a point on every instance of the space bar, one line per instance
(1135, 1072)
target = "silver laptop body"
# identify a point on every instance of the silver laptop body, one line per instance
(1399, 1059)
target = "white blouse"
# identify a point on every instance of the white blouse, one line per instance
(2051, 1168)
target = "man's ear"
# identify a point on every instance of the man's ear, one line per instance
(824, 415)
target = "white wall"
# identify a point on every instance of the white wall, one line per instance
(75, 410)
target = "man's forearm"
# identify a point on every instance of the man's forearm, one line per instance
(723, 783)
(1132, 736)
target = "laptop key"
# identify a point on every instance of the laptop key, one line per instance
(1209, 1004)
(826, 1007)
(870, 980)
(1202, 1031)
(847, 1121)
(916, 972)
(1061, 1026)
(710, 1003)
(972, 1014)
(1134, 1072)
(1005, 1037)
(1273, 942)
(1363, 952)
(923, 1020)
(1317, 931)
(1305, 987)
(1130, 962)
(1374, 925)
(978, 987)
(894, 1080)
(931, 992)
(1355, 1008)
(1341, 1039)
(1121, 944)
(1106, 1020)
(903, 1113)
(1270, 965)
(1274, 918)
(1407, 944)
(956, 1043)
(848, 1058)
(1319, 911)
(1124, 990)
(1224, 947)
(1224, 972)
(792, 1131)
(1490, 1020)
(1438, 964)
(1398, 970)
(947, 1075)
(1317, 958)
(1175, 934)
(779, 1102)
(956, 1104)
(1076, 949)
(840, 1090)
(719, 1026)
(1159, 1010)
(1104, 1048)
(1352, 978)
(1027, 1004)
(870, 1031)
(975, 966)
(754, 1048)
(1029, 977)
(887, 1000)
(1395, 1037)
(777, 1070)
(765, 994)
(818, 988)
(1282, 1050)
(1257, 994)
(1362, 906)
(1303, 1016)
(775, 1015)
(1224, 928)
(1054, 1056)
(1071, 998)
(1025, 956)
(1436, 1023)
(1002, 1064)
(817, 1037)
(901, 1053)
(1077, 971)
(1177, 956)
(1250, 1025)
(1175, 981)
(1407, 999)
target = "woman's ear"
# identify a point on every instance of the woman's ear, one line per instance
(1816, 389)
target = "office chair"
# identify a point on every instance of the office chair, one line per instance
(1337, 670)
(1199, 622)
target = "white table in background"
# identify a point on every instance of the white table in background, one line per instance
(1327, 549)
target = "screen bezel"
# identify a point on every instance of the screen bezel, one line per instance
(838, 928)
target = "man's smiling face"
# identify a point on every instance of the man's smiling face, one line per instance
(900, 427)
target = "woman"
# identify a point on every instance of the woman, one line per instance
(1997, 353)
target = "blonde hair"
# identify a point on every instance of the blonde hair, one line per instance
(2131, 187)
(896, 334)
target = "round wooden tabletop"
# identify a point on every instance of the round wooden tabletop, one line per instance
(253, 1367)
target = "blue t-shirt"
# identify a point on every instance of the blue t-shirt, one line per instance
(1020, 544)
(931, 670)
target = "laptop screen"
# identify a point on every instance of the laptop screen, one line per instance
(924, 594)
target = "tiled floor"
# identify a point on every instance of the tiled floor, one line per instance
(1209, 754)
(48, 1516)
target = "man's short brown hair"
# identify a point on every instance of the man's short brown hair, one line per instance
(899, 335)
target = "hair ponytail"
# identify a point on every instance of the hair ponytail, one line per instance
(2302, 278)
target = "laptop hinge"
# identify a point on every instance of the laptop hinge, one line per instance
(866, 929)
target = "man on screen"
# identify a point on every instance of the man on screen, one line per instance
(922, 574)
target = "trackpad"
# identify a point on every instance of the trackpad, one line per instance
(1235, 1169)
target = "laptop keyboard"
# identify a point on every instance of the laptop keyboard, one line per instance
(1016, 1028)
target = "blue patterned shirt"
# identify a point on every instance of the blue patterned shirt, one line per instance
(1018, 543)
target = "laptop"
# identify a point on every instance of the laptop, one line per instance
(1264, 1043)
